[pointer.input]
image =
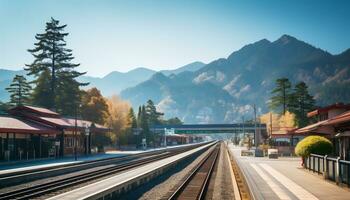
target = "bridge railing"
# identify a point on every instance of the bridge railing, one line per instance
(331, 168)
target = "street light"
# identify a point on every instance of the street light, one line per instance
(76, 132)
(87, 134)
(255, 134)
(165, 130)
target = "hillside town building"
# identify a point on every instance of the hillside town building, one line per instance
(29, 132)
(332, 122)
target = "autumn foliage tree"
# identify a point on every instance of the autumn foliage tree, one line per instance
(94, 106)
(117, 119)
(277, 121)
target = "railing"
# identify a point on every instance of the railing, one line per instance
(344, 171)
(331, 168)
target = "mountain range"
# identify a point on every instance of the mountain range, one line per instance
(226, 89)
(111, 84)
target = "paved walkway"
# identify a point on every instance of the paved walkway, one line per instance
(284, 178)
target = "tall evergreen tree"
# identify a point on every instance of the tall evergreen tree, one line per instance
(145, 133)
(282, 95)
(132, 122)
(19, 90)
(152, 114)
(173, 121)
(42, 95)
(139, 117)
(302, 103)
(54, 70)
(4, 108)
(144, 120)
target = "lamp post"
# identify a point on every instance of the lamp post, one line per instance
(76, 132)
(165, 130)
(255, 134)
(87, 134)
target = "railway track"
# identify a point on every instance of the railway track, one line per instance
(56, 185)
(25, 176)
(196, 184)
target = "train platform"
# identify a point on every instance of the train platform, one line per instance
(7, 168)
(108, 186)
(284, 178)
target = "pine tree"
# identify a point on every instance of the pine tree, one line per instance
(19, 90)
(173, 121)
(144, 120)
(144, 124)
(282, 95)
(152, 114)
(42, 95)
(53, 70)
(139, 117)
(4, 107)
(302, 103)
(132, 122)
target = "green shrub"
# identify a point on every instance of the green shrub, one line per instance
(313, 144)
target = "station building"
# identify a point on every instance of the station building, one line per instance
(332, 122)
(29, 132)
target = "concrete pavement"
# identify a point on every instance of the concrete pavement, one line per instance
(284, 178)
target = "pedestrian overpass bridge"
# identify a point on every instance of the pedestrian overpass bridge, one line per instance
(207, 129)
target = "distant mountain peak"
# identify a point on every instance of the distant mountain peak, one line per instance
(285, 39)
(192, 67)
(263, 41)
(140, 69)
(158, 75)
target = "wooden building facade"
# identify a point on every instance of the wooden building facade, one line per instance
(31, 133)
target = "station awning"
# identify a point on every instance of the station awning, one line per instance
(340, 119)
(14, 125)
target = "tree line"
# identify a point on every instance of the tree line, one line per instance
(139, 127)
(54, 85)
(296, 100)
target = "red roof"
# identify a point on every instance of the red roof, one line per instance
(55, 121)
(83, 123)
(339, 119)
(310, 127)
(37, 110)
(47, 117)
(14, 125)
(70, 123)
(327, 108)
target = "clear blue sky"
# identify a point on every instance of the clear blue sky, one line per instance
(165, 34)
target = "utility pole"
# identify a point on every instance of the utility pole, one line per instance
(270, 124)
(255, 134)
(243, 128)
(75, 134)
(165, 131)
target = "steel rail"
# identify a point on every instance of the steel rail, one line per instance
(210, 160)
(45, 188)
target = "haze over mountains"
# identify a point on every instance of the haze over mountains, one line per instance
(225, 89)
(111, 84)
